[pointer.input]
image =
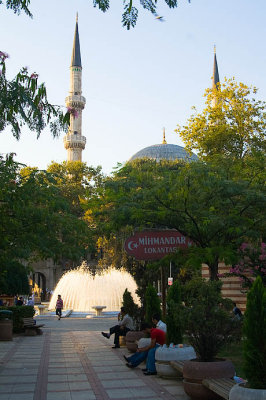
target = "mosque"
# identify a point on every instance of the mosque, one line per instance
(47, 274)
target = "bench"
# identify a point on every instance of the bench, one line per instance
(31, 329)
(221, 386)
(98, 310)
(178, 365)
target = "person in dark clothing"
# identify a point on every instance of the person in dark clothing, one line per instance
(125, 324)
(237, 312)
(20, 302)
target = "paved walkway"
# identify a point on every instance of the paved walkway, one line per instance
(72, 361)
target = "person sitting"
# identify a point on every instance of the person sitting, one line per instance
(125, 325)
(20, 302)
(30, 302)
(158, 338)
(158, 323)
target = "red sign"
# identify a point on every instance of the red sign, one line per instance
(153, 245)
(170, 281)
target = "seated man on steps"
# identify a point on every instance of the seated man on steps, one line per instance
(125, 325)
(158, 338)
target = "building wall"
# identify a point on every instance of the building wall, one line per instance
(232, 288)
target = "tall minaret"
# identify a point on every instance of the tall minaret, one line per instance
(74, 141)
(215, 78)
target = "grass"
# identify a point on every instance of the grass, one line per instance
(234, 352)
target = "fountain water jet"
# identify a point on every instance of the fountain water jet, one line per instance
(80, 290)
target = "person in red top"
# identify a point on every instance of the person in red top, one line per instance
(59, 306)
(158, 338)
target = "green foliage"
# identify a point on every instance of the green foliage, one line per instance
(255, 336)
(174, 328)
(24, 102)
(37, 222)
(131, 308)
(18, 313)
(152, 303)
(14, 279)
(18, 5)
(206, 319)
(234, 128)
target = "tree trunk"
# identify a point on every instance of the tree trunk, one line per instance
(213, 270)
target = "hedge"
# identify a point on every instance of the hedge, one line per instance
(19, 312)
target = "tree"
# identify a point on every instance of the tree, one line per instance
(152, 303)
(198, 199)
(234, 128)
(129, 17)
(36, 220)
(174, 329)
(24, 102)
(255, 336)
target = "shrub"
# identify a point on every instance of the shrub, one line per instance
(152, 303)
(255, 336)
(19, 312)
(174, 330)
(131, 308)
(206, 318)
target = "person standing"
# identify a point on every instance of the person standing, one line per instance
(59, 306)
(125, 324)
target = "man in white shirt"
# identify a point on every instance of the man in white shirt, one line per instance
(158, 323)
(125, 324)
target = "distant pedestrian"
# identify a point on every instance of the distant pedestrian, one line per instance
(20, 301)
(30, 302)
(59, 306)
(237, 312)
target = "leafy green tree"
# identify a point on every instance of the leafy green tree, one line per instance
(152, 303)
(207, 318)
(174, 328)
(36, 220)
(129, 16)
(234, 128)
(131, 308)
(255, 336)
(24, 102)
(198, 199)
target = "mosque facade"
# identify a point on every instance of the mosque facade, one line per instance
(47, 274)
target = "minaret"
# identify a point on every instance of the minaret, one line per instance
(215, 78)
(164, 140)
(74, 141)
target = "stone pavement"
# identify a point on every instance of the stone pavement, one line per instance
(72, 361)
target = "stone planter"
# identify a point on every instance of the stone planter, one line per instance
(132, 338)
(240, 392)
(165, 354)
(194, 372)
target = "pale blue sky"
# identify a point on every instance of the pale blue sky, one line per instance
(135, 82)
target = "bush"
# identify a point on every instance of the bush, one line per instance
(19, 312)
(206, 318)
(131, 308)
(174, 330)
(152, 303)
(255, 336)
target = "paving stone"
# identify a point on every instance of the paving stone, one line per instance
(130, 393)
(83, 395)
(52, 386)
(58, 396)
(122, 384)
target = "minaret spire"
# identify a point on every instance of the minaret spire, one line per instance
(74, 141)
(215, 78)
(164, 140)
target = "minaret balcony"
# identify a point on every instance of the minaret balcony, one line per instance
(74, 141)
(75, 101)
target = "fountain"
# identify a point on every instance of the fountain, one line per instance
(81, 291)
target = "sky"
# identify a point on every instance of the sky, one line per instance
(135, 82)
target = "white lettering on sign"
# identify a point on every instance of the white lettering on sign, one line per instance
(162, 240)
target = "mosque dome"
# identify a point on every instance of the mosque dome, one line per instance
(164, 151)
